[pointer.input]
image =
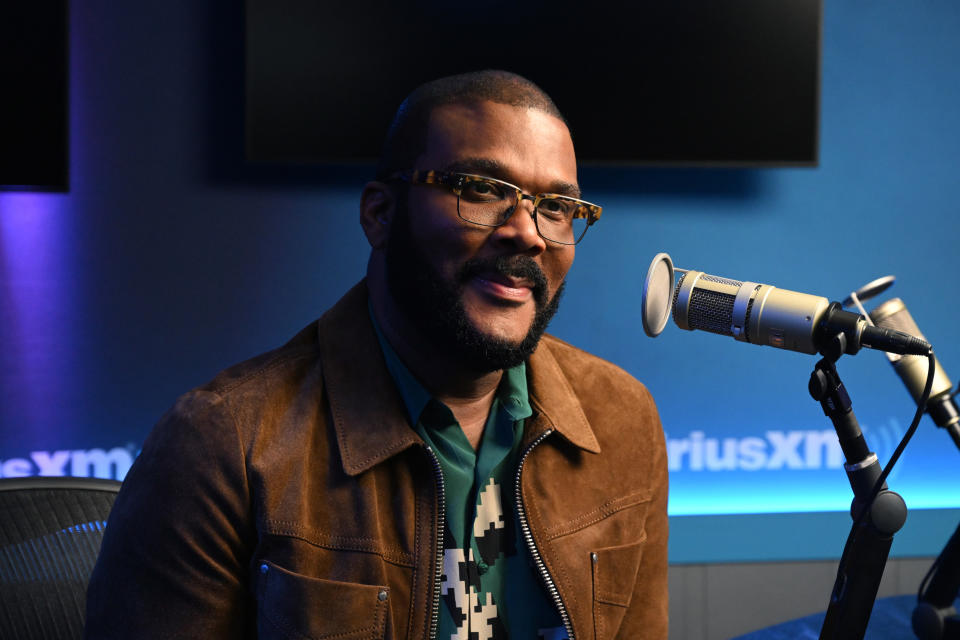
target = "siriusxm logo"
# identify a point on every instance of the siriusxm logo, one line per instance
(92, 463)
(776, 450)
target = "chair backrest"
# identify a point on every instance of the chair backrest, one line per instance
(50, 533)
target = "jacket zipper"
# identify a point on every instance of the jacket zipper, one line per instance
(532, 545)
(438, 572)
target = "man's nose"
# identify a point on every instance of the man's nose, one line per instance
(520, 229)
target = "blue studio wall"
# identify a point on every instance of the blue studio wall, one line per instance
(169, 260)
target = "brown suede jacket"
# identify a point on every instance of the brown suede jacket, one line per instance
(289, 498)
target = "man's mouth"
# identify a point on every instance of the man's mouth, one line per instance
(515, 280)
(507, 288)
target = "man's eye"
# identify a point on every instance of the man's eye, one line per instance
(556, 209)
(482, 191)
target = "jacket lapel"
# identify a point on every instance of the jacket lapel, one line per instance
(553, 397)
(367, 409)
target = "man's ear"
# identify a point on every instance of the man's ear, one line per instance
(377, 207)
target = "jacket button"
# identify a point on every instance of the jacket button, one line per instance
(382, 595)
(594, 557)
(264, 568)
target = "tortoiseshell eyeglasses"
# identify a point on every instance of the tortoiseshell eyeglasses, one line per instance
(490, 202)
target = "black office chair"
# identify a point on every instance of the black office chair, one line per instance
(50, 533)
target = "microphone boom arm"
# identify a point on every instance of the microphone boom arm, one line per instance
(865, 555)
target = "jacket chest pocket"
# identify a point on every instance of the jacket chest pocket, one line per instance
(294, 606)
(614, 577)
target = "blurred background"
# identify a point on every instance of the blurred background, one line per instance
(171, 249)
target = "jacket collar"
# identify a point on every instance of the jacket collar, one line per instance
(368, 413)
(552, 396)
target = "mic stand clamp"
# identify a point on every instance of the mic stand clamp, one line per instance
(865, 555)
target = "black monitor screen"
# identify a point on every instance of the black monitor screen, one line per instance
(33, 95)
(685, 82)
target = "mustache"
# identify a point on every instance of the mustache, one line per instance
(515, 266)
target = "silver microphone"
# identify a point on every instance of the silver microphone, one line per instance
(893, 314)
(748, 311)
(760, 313)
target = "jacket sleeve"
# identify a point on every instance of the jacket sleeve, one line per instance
(174, 558)
(646, 617)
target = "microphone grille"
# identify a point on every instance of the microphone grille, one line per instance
(709, 309)
(893, 314)
(676, 290)
(736, 284)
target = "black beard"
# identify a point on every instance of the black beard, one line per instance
(436, 310)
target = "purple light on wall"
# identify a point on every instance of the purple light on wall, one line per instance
(35, 304)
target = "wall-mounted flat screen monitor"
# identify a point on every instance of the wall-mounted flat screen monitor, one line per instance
(678, 83)
(34, 95)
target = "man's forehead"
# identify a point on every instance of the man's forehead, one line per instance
(495, 115)
(512, 143)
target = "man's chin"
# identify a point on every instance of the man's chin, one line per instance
(506, 325)
(500, 341)
(486, 349)
(488, 339)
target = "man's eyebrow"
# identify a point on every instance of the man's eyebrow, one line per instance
(493, 169)
(479, 166)
(566, 189)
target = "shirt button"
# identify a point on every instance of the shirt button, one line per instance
(482, 567)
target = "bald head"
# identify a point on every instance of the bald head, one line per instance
(406, 138)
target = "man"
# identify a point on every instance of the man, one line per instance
(419, 463)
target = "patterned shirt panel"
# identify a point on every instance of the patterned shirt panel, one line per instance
(489, 589)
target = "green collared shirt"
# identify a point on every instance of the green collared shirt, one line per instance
(489, 589)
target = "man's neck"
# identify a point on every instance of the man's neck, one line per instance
(471, 414)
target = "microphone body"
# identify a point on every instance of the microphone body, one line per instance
(763, 314)
(747, 311)
(912, 370)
